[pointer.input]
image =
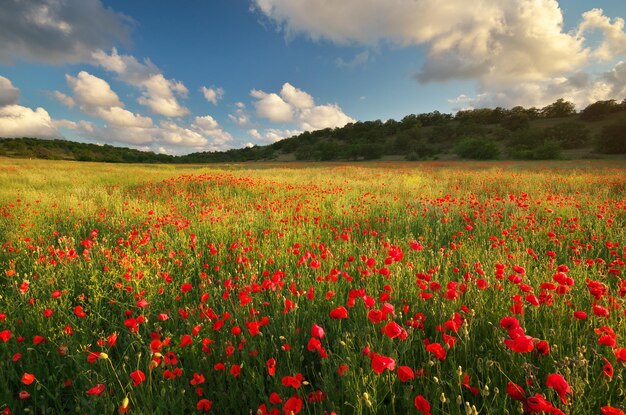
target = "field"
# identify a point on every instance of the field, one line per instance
(388, 288)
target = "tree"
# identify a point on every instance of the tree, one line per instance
(612, 139)
(598, 110)
(559, 108)
(477, 148)
(568, 134)
(516, 121)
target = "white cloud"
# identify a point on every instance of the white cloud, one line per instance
(213, 95)
(9, 94)
(19, 121)
(294, 104)
(207, 126)
(95, 97)
(580, 88)
(272, 135)
(499, 40)
(240, 116)
(158, 93)
(122, 117)
(323, 116)
(358, 60)
(64, 99)
(91, 91)
(56, 31)
(271, 107)
(296, 97)
(613, 39)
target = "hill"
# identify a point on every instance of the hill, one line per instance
(518, 133)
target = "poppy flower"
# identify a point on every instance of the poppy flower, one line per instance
(620, 354)
(24, 395)
(204, 405)
(536, 404)
(609, 410)
(317, 331)
(405, 373)
(607, 369)
(380, 363)
(96, 390)
(437, 350)
(28, 378)
(343, 368)
(393, 330)
(275, 398)
(339, 313)
(138, 377)
(271, 366)
(5, 335)
(560, 386)
(422, 404)
(293, 405)
(521, 344)
(515, 391)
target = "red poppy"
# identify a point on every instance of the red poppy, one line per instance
(422, 404)
(437, 350)
(620, 354)
(96, 390)
(515, 391)
(317, 331)
(521, 344)
(560, 386)
(536, 404)
(28, 378)
(609, 410)
(339, 313)
(380, 363)
(405, 373)
(607, 369)
(271, 366)
(393, 330)
(293, 405)
(204, 405)
(138, 377)
(5, 335)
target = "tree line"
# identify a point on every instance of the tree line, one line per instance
(483, 133)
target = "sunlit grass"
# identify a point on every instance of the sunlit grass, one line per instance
(214, 270)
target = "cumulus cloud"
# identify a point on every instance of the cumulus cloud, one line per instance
(271, 135)
(358, 60)
(91, 91)
(8, 93)
(580, 88)
(293, 104)
(207, 126)
(64, 99)
(240, 116)
(55, 31)
(95, 97)
(613, 36)
(499, 40)
(213, 95)
(157, 93)
(271, 107)
(19, 121)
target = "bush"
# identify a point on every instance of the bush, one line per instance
(477, 148)
(612, 139)
(568, 134)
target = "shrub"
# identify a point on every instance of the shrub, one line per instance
(612, 139)
(477, 148)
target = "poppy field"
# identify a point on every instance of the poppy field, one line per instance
(388, 288)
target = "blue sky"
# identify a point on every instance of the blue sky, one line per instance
(192, 75)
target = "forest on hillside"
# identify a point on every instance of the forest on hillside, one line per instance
(484, 133)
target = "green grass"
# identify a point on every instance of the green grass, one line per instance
(279, 247)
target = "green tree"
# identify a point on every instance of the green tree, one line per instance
(558, 109)
(477, 148)
(612, 139)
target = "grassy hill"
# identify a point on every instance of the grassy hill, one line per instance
(555, 131)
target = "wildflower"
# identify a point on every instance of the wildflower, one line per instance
(560, 386)
(138, 377)
(422, 404)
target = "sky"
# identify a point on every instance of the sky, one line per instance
(184, 76)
